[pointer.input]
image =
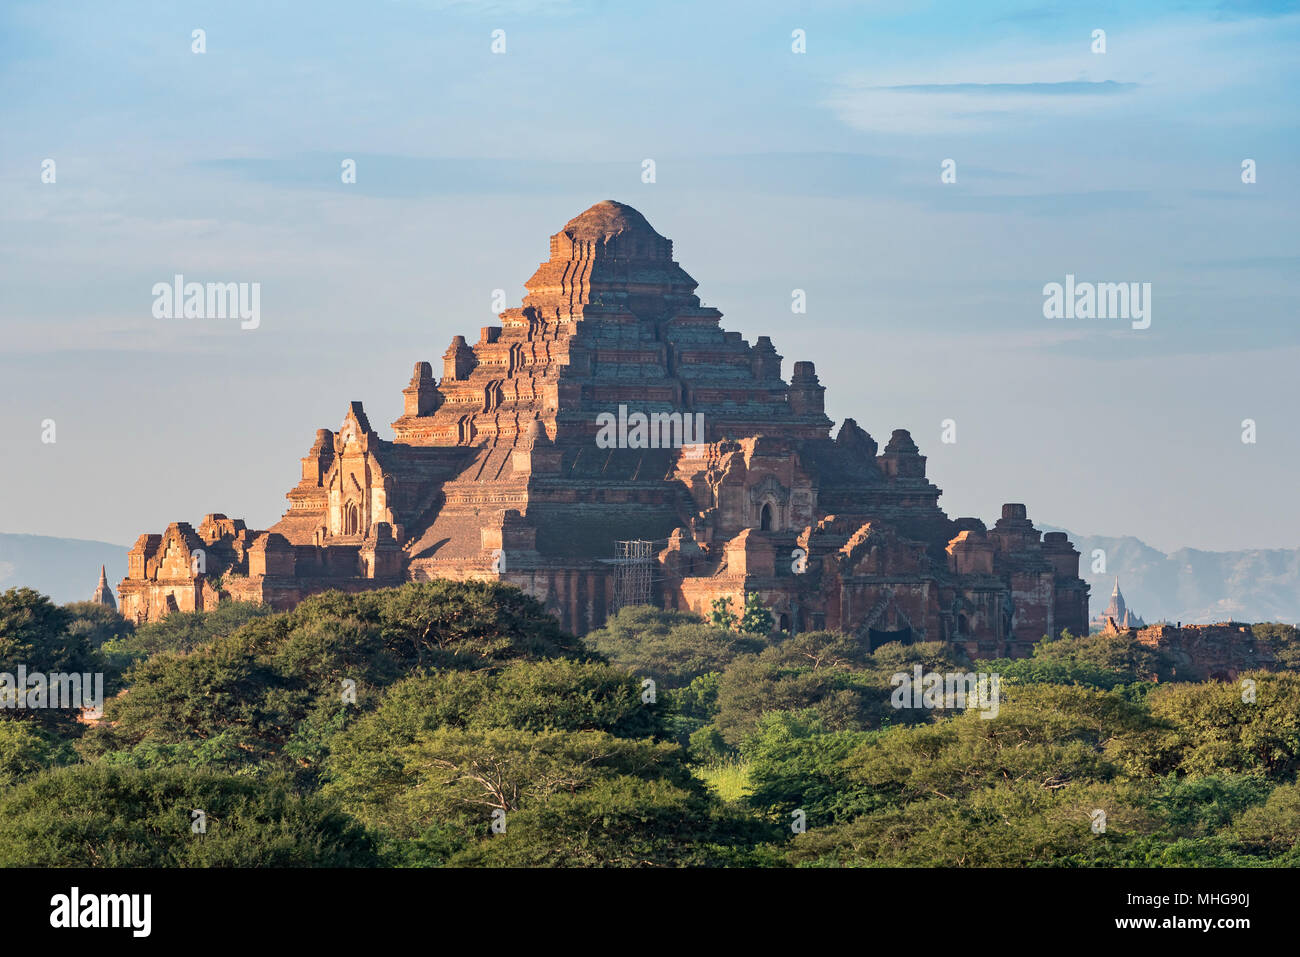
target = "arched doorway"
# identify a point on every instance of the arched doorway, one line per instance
(765, 518)
(351, 521)
(877, 637)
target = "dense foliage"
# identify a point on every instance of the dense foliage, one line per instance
(454, 724)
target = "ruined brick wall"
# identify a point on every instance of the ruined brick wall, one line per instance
(1218, 652)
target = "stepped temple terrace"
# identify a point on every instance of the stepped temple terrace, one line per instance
(494, 471)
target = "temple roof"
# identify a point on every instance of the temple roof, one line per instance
(606, 219)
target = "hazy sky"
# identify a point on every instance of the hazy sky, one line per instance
(774, 171)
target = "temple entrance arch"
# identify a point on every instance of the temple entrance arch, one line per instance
(877, 637)
(765, 517)
(888, 622)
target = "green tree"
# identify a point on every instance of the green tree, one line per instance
(795, 765)
(444, 786)
(220, 694)
(35, 635)
(1120, 656)
(622, 821)
(34, 632)
(1283, 640)
(273, 690)
(672, 647)
(182, 631)
(1213, 728)
(1044, 670)
(820, 649)
(723, 617)
(96, 623)
(1012, 824)
(755, 684)
(1270, 831)
(26, 749)
(571, 696)
(756, 620)
(103, 816)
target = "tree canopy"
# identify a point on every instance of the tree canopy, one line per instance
(455, 724)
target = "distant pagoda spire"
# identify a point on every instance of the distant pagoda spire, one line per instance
(1116, 609)
(103, 594)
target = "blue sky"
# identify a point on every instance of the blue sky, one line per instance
(775, 171)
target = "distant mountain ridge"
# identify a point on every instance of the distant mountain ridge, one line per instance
(1192, 585)
(1188, 585)
(66, 569)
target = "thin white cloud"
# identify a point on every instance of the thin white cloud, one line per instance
(1155, 67)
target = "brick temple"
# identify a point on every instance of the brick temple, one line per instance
(496, 469)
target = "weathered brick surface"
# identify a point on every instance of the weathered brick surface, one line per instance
(1204, 652)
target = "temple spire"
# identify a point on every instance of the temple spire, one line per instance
(1117, 608)
(103, 594)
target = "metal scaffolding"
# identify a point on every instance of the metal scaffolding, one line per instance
(632, 561)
